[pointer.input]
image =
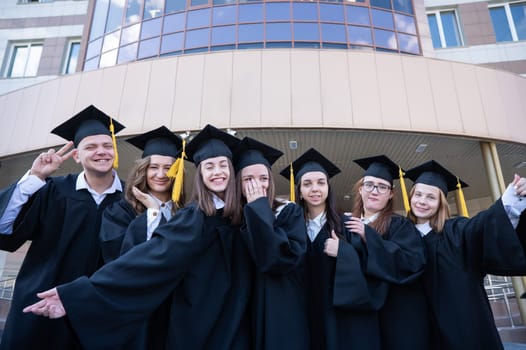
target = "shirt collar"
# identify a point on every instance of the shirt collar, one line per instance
(218, 202)
(315, 225)
(370, 218)
(424, 228)
(82, 184)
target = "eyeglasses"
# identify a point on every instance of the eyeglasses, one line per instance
(369, 186)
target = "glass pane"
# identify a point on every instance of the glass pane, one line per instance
(331, 13)
(278, 45)
(307, 45)
(99, 19)
(18, 64)
(72, 59)
(133, 11)
(382, 19)
(223, 47)
(360, 35)
(518, 12)
(278, 11)
(174, 23)
(358, 15)
(224, 35)
(115, 15)
(94, 48)
(304, 11)
(224, 15)
(405, 23)
(278, 32)
(306, 32)
(151, 28)
(127, 53)
(91, 64)
(152, 8)
(333, 33)
(108, 59)
(220, 2)
(172, 42)
(386, 4)
(450, 28)
(198, 2)
(197, 38)
(433, 28)
(251, 13)
(149, 48)
(111, 41)
(198, 18)
(500, 24)
(250, 32)
(130, 34)
(385, 39)
(174, 6)
(408, 43)
(403, 6)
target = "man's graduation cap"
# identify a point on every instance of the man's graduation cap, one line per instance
(250, 152)
(433, 174)
(210, 142)
(160, 141)
(88, 122)
(309, 161)
(379, 166)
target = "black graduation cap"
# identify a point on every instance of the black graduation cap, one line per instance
(379, 166)
(250, 152)
(311, 160)
(90, 121)
(160, 141)
(434, 174)
(210, 142)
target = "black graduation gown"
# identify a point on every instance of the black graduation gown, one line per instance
(202, 258)
(394, 263)
(63, 225)
(277, 246)
(120, 231)
(115, 221)
(458, 259)
(340, 315)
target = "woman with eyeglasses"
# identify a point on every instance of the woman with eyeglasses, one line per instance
(392, 256)
(461, 252)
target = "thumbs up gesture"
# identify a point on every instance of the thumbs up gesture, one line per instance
(331, 245)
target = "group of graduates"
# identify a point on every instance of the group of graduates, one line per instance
(135, 266)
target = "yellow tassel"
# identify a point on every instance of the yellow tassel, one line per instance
(114, 142)
(463, 210)
(177, 172)
(292, 190)
(405, 197)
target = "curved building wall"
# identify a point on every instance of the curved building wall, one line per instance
(277, 88)
(146, 29)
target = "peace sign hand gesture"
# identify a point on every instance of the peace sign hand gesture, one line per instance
(46, 163)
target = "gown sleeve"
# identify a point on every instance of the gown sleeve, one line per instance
(398, 256)
(276, 244)
(111, 304)
(115, 222)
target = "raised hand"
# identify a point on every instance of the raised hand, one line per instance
(519, 184)
(50, 305)
(145, 198)
(253, 190)
(46, 163)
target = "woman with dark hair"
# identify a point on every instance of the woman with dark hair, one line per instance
(392, 256)
(198, 257)
(274, 233)
(336, 287)
(461, 252)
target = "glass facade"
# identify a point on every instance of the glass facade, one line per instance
(128, 30)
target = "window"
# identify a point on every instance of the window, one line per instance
(509, 21)
(72, 56)
(444, 28)
(25, 59)
(33, 1)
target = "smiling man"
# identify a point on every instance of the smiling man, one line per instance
(61, 216)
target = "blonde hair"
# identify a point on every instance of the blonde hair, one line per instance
(382, 223)
(438, 220)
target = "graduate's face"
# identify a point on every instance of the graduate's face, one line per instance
(95, 153)
(215, 173)
(159, 184)
(374, 201)
(255, 180)
(425, 202)
(314, 189)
